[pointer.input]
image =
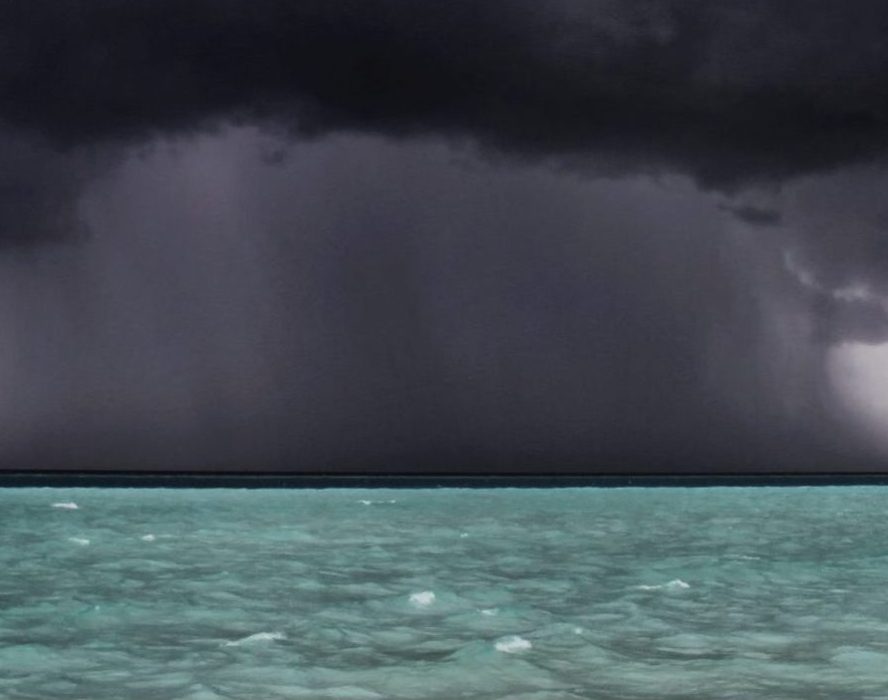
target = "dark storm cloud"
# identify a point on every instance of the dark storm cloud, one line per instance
(361, 302)
(38, 191)
(834, 235)
(837, 229)
(849, 320)
(757, 216)
(730, 92)
(725, 90)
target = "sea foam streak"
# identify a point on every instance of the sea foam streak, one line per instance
(66, 505)
(674, 585)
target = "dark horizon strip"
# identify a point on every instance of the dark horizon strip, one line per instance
(431, 481)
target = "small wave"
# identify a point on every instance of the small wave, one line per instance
(489, 611)
(258, 637)
(148, 538)
(66, 505)
(513, 645)
(674, 585)
(422, 599)
(82, 541)
(372, 503)
(348, 692)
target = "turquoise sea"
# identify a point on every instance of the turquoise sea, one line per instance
(518, 594)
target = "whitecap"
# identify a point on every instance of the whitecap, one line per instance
(678, 584)
(422, 599)
(148, 538)
(513, 645)
(79, 540)
(258, 637)
(674, 585)
(67, 505)
(489, 611)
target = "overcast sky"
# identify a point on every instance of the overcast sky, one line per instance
(444, 235)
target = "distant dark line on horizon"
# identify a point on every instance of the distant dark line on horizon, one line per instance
(276, 480)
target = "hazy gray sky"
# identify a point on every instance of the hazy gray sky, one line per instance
(451, 237)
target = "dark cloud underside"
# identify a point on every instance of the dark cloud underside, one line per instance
(726, 90)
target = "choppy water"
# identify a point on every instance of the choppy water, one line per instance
(488, 594)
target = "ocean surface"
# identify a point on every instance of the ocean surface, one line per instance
(519, 594)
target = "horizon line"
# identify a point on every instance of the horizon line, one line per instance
(316, 480)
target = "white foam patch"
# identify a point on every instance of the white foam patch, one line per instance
(674, 585)
(148, 538)
(578, 630)
(489, 611)
(422, 599)
(82, 541)
(258, 637)
(464, 534)
(513, 645)
(66, 505)
(370, 503)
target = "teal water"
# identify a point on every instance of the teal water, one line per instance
(537, 594)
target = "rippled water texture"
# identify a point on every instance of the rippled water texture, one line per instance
(520, 594)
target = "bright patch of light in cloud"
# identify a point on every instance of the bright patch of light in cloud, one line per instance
(859, 373)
